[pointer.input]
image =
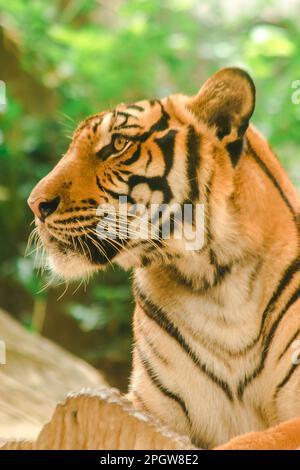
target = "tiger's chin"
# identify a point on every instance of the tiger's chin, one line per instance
(75, 266)
(71, 266)
(66, 263)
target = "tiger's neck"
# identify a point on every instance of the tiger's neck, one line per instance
(210, 295)
(251, 238)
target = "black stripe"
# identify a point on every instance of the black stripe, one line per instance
(178, 276)
(89, 246)
(120, 168)
(163, 122)
(80, 218)
(146, 261)
(134, 157)
(157, 315)
(160, 125)
(136, 107)
(128, 126)
(125, 115)
(186, 281)
(235, 150)
(289, 344)
(118, 176)
(254, 277)
(150, 344)
(141, 401)
(209, 236)
(221, 270)
(166, 144)
(108, 176)
(113, 120)
(193, 161)
(77, 209)
(284, 282)
(152, 375)
(266, 344)
(92, 202)
(112, 193)
(286, 379)
(95, 126)
(75, 230)
(149, 159)
(270, 175)
(106, 151)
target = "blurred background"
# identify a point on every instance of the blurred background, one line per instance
(65, 59)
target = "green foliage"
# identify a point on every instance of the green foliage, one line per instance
(85, 56)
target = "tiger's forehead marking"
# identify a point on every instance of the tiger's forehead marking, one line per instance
(135, 115)
(105, 128)
(129, 119)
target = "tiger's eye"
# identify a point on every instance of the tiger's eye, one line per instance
(119, 143)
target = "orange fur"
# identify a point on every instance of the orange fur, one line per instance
(285, 436)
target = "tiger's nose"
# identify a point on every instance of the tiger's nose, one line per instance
(42, 207)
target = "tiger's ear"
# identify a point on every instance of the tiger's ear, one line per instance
(226, 102)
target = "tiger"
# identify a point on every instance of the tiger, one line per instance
(215, 327)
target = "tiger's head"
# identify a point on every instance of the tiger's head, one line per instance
(150, 152)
